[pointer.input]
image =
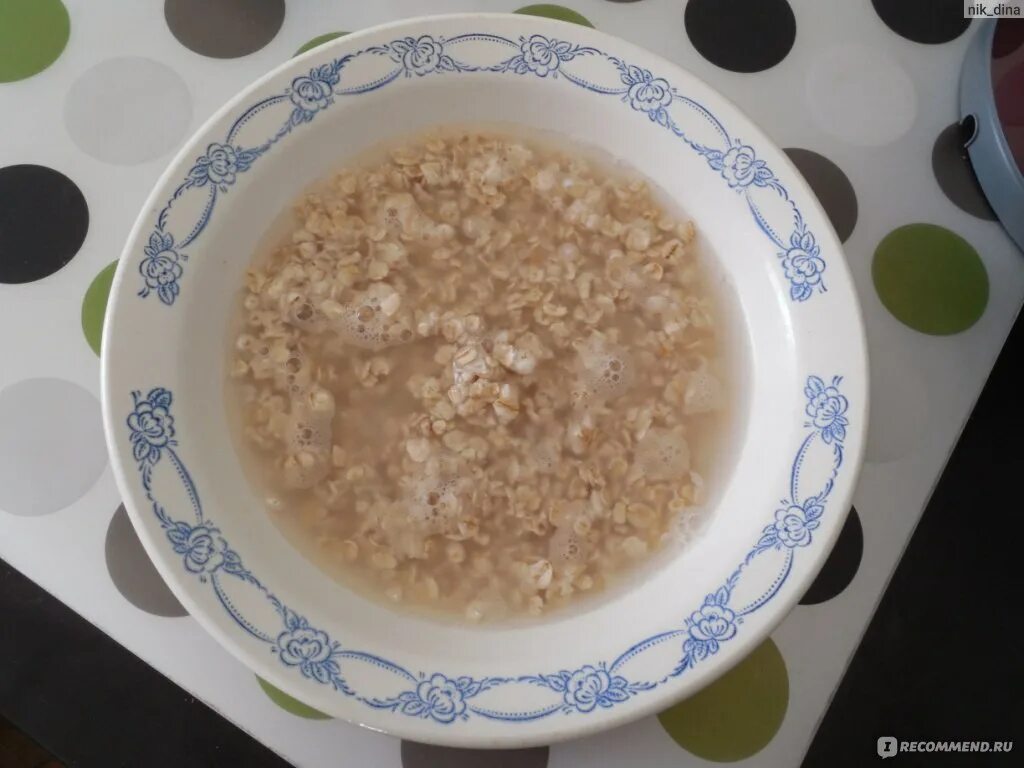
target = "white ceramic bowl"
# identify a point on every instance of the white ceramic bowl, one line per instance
(164, 361)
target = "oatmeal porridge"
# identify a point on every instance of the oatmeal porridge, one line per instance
(481, 375)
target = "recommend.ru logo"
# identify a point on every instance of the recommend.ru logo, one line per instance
(889, 746)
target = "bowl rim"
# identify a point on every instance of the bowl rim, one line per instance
(565, 728)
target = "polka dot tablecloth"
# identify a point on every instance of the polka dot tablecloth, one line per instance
(97, 95)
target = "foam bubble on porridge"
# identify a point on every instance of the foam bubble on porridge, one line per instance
(481, 376)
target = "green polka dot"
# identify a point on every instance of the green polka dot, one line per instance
(319, 40)
(552, 11)
(94, 306)
(289, 704)
(738, 714)
(930, 278)
(32, 35)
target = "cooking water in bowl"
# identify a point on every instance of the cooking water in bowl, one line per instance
(482, 375)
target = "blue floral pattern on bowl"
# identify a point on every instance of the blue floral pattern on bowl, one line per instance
(161, 267)
(312, 93)
(480, 54)
(826, 406)
(220, 166)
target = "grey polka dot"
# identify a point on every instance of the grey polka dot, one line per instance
(923, 21)
(128, 110)
(741, 35)
(132, 571)
(858, 93)
(224, 29)
(832, 187)
(44, 219)
(51, 445)
(416, 755)
(955, 176)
